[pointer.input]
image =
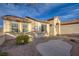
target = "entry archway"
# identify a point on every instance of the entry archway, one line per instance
(57, 27)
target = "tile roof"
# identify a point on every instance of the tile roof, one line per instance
(75, 21)
(20, 19)
(14, 18)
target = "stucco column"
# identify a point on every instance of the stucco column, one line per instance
(59, 28)
(20, 26)
(55, 32)
(39, 26)
(6, 26)
(48, 29)
(29, 27)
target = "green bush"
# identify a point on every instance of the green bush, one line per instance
(22, 39)
(3, 53)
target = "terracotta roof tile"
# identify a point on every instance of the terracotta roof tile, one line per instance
(75, 21)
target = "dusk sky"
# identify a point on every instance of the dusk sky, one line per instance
(66, 11)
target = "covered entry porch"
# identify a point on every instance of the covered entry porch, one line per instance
(49, 29)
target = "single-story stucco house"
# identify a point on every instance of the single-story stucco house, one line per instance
(51, 26)
(28, 24)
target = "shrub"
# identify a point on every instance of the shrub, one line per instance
(3, 53)
(22, 39)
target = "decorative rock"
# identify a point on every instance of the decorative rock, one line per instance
(2, 40)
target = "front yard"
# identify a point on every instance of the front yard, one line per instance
(29, 49)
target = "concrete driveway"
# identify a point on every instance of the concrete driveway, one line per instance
(54, 48)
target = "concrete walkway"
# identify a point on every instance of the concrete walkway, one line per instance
(54, 48)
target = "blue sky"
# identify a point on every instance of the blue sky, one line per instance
(42, 11)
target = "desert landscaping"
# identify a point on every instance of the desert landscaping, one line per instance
(55, 43)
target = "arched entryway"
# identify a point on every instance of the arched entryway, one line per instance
(57, 26)
(58, 29)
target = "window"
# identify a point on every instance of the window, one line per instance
(50, 24)
(25, 27)
(14, 27)
(43, 28)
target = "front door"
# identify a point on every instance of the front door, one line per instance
(43, 28)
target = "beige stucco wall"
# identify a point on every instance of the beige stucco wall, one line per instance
(33, 24)
(20, 26)
(6, 26)
(39, 25)
(48, 30)
(57, 26)
(70, 29)
(51, 28)
(55, 29)
(29, 27)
